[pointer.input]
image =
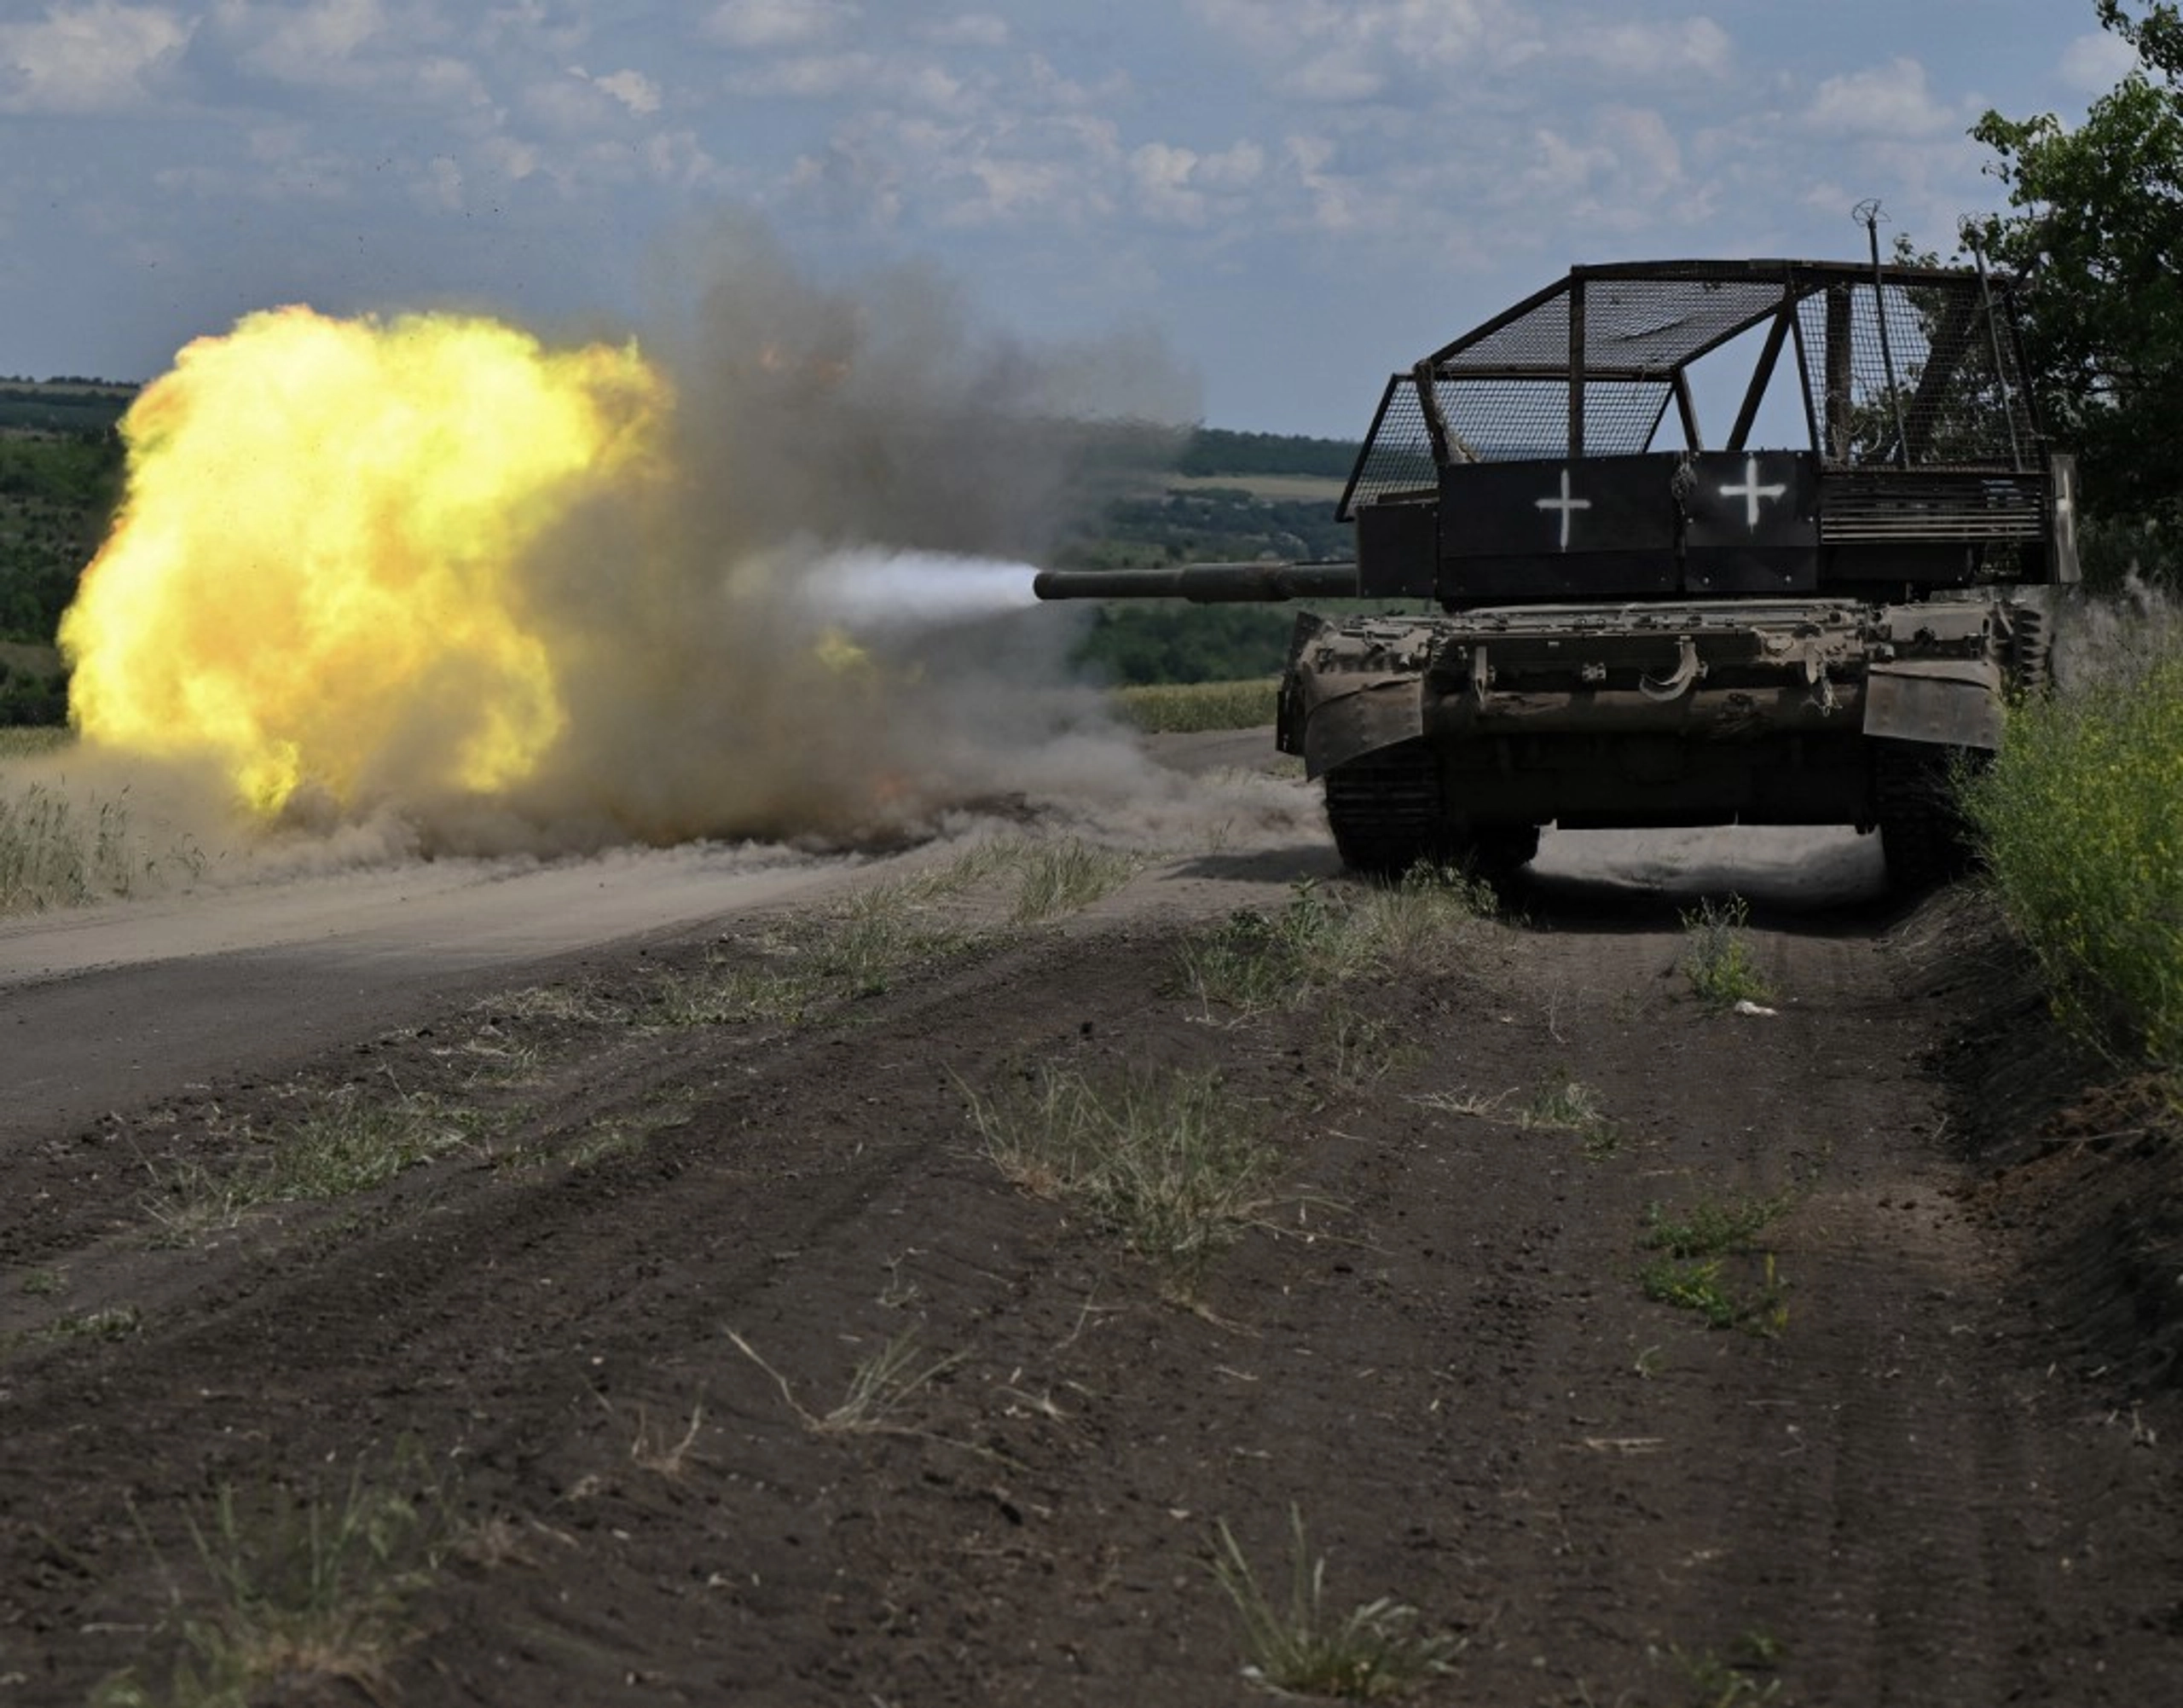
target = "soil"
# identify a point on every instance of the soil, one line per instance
(600, 1339)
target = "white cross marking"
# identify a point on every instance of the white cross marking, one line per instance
(1564, 504)
(1751, 492)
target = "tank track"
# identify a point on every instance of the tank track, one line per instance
(1388, 811)
(1922, 834)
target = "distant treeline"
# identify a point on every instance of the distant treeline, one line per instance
(81, 408)
(1215, 451)
(1168, 641)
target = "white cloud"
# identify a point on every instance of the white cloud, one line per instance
(775, 26)
(1891, 100)
(847, 76)
(2094, 64)
(633, 89)
(1642, 143)
(1175, 186)
(1669, 49)
(103, 57)
(1323, 51)
(970, 29)
(307, 45)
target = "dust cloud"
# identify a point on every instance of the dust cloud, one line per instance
(786, 599)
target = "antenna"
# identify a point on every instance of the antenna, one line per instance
(1867, 213)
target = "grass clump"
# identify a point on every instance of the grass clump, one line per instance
(1360, 1050)
(1717, 958)
(1258, 962)
(1184, 708)
(1067, 877)
(2080, 820)
(310, 1590)
(1171, 1163)
(1715, 1681)
(1298, 1645)
(880, 1388)
(1564, 1103)
(856, 950)
(882, 1385)
(350, 1143)
(1705, 1286)
(1713, 1225)
(1704, 1262)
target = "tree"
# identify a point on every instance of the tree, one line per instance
(2097, 231)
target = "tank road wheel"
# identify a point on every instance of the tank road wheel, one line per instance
(1922, 833)
(1388, 811)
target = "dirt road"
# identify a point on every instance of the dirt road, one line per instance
(671, 1193)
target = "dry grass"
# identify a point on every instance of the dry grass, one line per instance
(1299, 1645)
(296, 1591)
(1173, 1163)
(1179, 708)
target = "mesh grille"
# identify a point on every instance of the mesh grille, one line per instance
(1398, 457)
(1504, 421)
(1946, 404)
(1647, 325)
(1499, 420)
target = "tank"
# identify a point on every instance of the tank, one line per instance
(1582, 609)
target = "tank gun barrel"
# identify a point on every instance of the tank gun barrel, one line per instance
(1204, 584)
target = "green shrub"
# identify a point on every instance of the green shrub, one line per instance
(2080, 820)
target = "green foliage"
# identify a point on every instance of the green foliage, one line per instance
(56, 500)
(1213, 451)
(2096, 221)
(1705, 1286)
(80, 408)
(1695, 1268)
(2081, 822)
(33, 687)
(1209, 524)
(1167, 640)
(1712, 1226)
(1717, 958)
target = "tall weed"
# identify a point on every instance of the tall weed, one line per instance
(2081, 822)
(56, 852)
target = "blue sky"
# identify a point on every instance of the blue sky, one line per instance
(1292, 198)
